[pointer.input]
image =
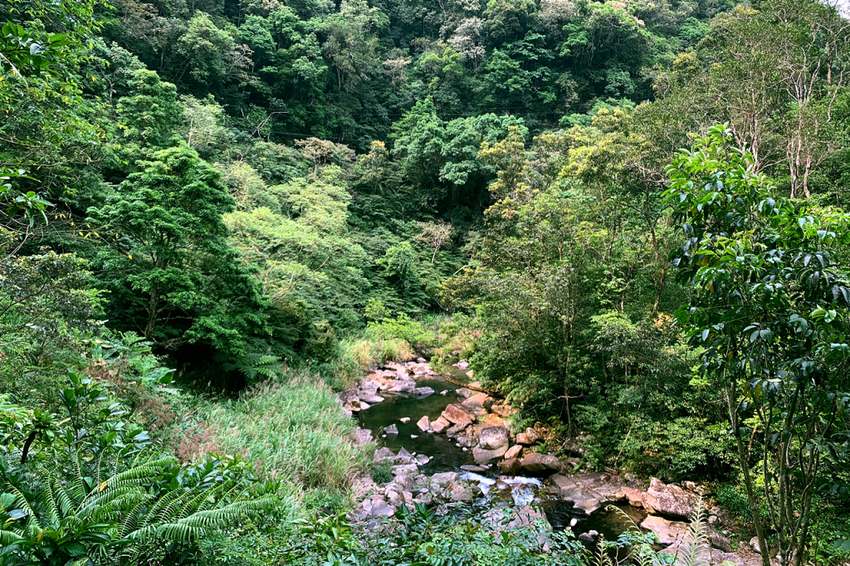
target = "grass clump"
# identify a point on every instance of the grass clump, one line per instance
(295, 431)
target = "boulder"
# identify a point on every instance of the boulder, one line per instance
(424, 424)
(404, 420)
(484, 456)
(668, 532)
(440, 425)
(422, 459)
(372, 399)
(494, 438)
(463, 392)
(375, 506)
(461, 492)
(634, 496)
(456, 430)
(459, 415)
(391, 430)
(474, 469)
(383, 456)
(443, 480)
(405, 469)
(422, 392)
(663, 499)
(403, 457)
(368, 387)
(513, 452)
(463, 364)
(510, 467)
(540, 465)
(720, 541)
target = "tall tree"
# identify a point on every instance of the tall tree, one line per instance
(770, 309)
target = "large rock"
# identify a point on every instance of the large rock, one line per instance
(540, 465)
(510, 466)
(483, 456)
(440, 425)
(372, 399)
(494, 438)
(513, 452)
(668, 532)
(459, 415)
(424, 424)
(634, 496)
(663, 499)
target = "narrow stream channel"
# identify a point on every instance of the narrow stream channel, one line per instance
(445, 455)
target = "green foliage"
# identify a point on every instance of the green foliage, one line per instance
(770, 310)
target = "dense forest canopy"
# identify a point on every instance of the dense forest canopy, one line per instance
(234, 189)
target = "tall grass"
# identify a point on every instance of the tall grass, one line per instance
(296, 433)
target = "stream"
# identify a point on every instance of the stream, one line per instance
(447, 456)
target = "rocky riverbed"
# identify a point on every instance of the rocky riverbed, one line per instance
(446, 445)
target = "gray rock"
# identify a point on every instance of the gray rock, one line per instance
(540, 465)
(494, 438)
(404, 420)
(422, 459)
(422, 392)
(391, 430)
(754, 544)
(666, 499)
(372, 399)
(474, 469)
(483, 456)
(720, 541)
(405, 470)
(589, 537)
(403, 457)
(456, 430)
(444, 479)
(362, 436)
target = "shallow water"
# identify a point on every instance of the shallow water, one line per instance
(446, 455)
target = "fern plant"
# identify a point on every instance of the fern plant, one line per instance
(694, 549)
(127, 518)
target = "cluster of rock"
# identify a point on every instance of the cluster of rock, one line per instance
(407, 486)
(480, 424)
(670, 509)
(390, 379)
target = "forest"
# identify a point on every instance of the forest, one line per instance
(627, 216)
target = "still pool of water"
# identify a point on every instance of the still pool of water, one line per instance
(444, 453)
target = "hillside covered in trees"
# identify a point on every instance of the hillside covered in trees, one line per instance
(628, 216)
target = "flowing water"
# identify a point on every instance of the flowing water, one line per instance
(447, 456)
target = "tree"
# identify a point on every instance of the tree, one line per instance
(770, 309)
(171, 272)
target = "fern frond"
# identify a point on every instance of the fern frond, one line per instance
(21, 501)
(77, 484)
(9, 537)
(62, 498)
(694, 549)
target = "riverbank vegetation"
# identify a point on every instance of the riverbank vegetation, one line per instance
(217, 214)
